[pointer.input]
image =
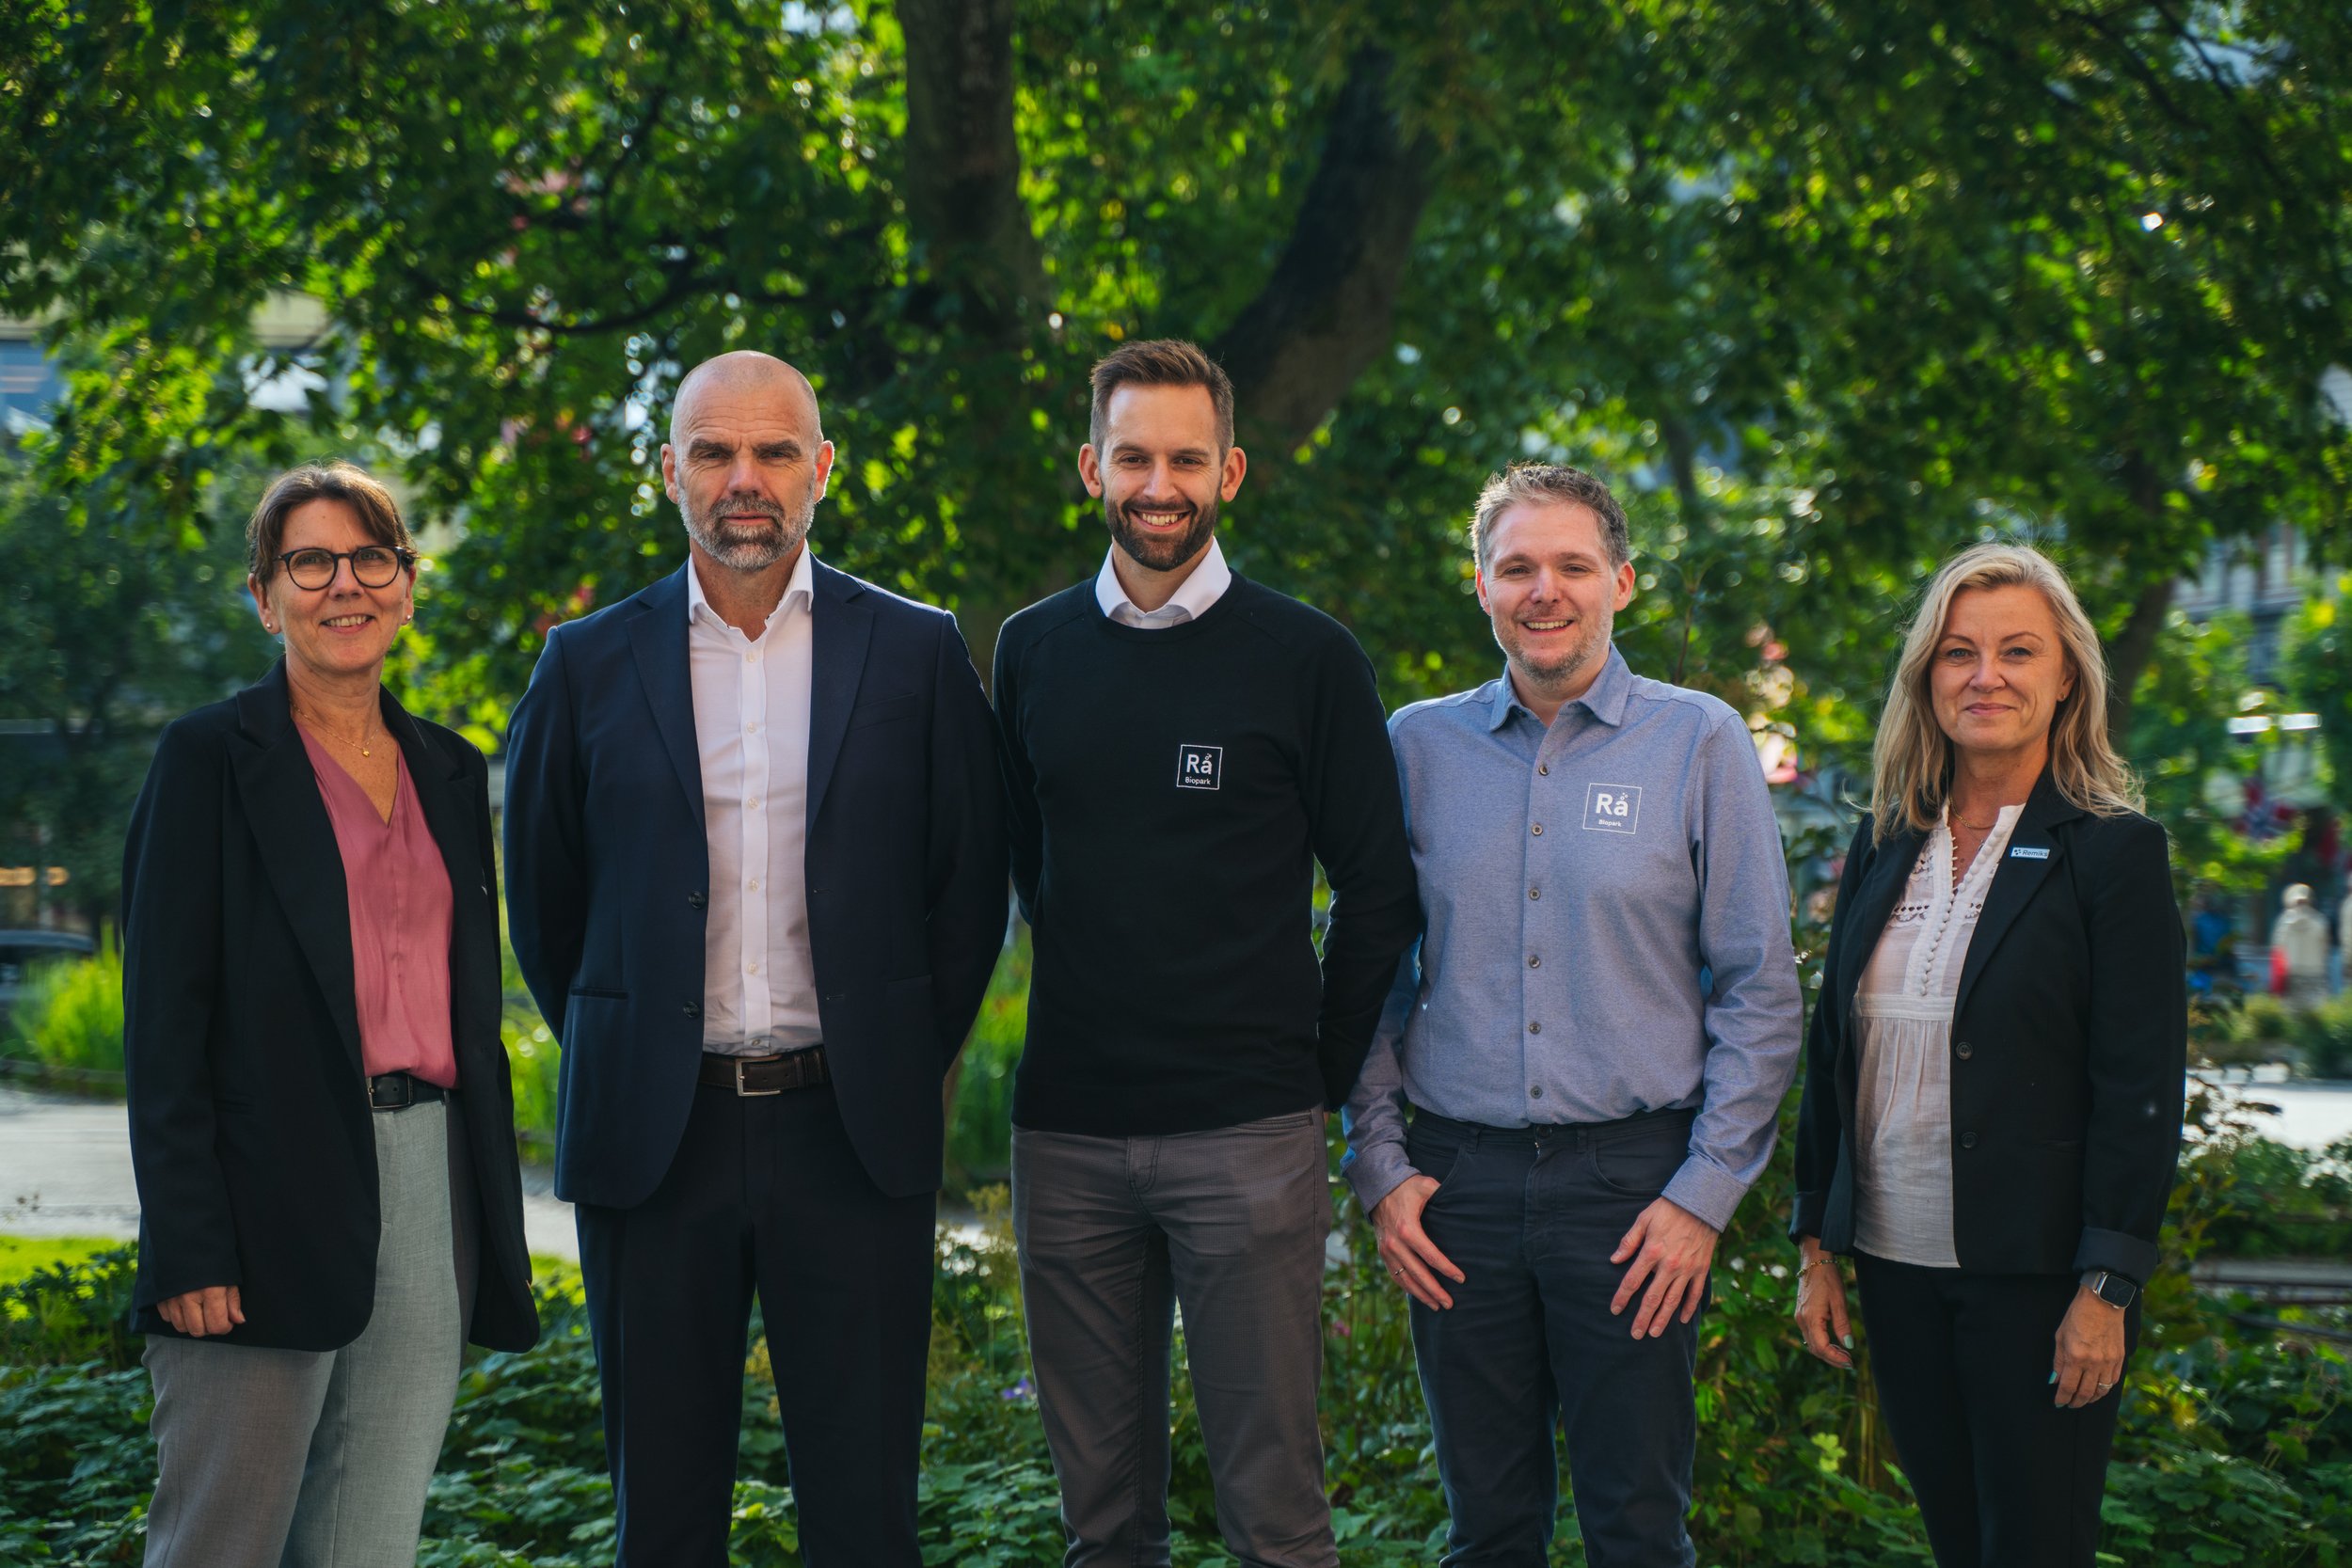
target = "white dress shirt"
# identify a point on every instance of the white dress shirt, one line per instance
(751, 724)
(1904, 1104)
(1192, 599)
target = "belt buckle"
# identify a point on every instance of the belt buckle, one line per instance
(743, 1093)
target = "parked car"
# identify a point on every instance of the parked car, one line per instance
(21, 950)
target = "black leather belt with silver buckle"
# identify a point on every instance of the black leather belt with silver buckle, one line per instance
(397, 1091)
(757, 1075)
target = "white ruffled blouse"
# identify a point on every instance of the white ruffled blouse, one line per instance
(1903, 1011)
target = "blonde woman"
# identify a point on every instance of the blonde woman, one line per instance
(1993, 1074)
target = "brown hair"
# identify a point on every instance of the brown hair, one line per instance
(378, 514)
(1162, 362)
(1911, 765)
(1557, 484)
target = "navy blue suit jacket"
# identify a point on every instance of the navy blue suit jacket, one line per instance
(608, 875)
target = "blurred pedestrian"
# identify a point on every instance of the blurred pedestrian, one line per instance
(321, 1118)
(1992, 1093)
(2299, 947)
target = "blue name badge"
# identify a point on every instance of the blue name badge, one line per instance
(2030, 852)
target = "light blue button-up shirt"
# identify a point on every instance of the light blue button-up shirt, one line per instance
(1606, 915)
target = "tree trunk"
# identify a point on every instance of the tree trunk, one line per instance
(963, 162)
(1330, 309)
(2129, 651)
(2131, 647)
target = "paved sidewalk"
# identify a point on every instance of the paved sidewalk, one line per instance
(65, 1170)
(65, 1164)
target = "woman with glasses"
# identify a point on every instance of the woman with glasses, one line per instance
(1994, 1078)
(321, 1118)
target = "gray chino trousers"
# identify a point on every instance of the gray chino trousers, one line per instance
(1114, 1233)
(320, 1458)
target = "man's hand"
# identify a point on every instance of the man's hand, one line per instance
(1672, 1248)
(1411, 1257)
(214, 1309)
(2088, 1362)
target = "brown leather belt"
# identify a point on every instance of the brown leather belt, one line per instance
(757, 1075)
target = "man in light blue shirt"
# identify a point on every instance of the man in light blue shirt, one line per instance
(1593, 1040)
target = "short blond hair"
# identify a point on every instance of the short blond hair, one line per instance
(1911, 765)
(1557, 484)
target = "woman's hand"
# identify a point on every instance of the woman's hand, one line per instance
(1821, 1319)
(2089, 1359)
(214, 1309)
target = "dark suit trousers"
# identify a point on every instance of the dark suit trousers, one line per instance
(2005, 1478)
(765, 1194)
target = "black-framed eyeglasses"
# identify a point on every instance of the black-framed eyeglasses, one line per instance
(373, 566)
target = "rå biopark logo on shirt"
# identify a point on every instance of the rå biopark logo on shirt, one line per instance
(1200, 767)
(1612, 808)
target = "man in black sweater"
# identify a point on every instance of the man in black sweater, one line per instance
(1182, 747)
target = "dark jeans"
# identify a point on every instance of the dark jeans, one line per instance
(765, 1193)
(1963, 1365)
(1530, 1215)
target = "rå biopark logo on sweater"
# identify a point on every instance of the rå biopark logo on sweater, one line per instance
(1200, 767)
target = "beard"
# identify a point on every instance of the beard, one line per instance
(743, 546)
(1560, 666)
(1160, 552)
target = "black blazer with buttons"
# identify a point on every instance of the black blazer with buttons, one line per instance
(2069, 1046)
(609, 874)
(251, 1134)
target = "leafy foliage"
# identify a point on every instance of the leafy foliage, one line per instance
(69, 1012)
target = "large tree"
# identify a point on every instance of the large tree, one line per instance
(1836, 284)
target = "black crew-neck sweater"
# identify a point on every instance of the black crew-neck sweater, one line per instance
(1170, 791)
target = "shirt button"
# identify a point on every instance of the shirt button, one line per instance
(752, 804)
(1967, 1140)
(697, 899)
(752, 885)
(1535, 892)
(1965, 1050)
(1545, 768)
(751, 729)
(1534, 1091)
(1535, 1028)
(751, 969)
(694, 1010)
(1535, 962)
(1538, 830)
(751, 658)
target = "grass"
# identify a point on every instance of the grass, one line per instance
(21, 1255)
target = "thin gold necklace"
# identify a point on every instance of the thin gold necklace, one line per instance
(366, 750)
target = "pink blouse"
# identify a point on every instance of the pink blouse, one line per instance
(401, 904)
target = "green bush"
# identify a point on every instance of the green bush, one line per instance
(533, 1060)
(68, 1013)
(980, 1135)
(2323, 1039)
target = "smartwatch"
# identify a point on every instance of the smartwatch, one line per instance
(2110, 1286)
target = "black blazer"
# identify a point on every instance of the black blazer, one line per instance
(2069, 1047)
(609, 874)
(251, 1131)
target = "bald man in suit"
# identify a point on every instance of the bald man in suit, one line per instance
(756, 872)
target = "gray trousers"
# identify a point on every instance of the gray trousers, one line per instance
(1113, 1234)
(319, 1459)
